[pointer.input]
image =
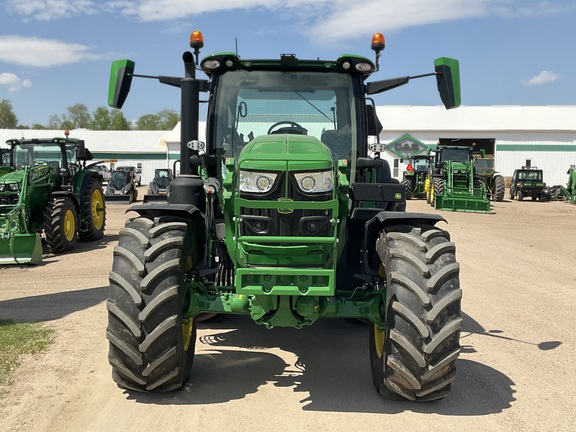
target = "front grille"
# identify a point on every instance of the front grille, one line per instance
(286, 222)
(9, 199)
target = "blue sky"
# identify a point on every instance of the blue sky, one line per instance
(56, 53)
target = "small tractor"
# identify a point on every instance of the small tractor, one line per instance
(287, 215)
(158, 187)
(121, 188)
(494, 182)
(47, 187)
(528, 182)
(453, 183)
(414, 178)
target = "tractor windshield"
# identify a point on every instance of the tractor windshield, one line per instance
(253, 103)
(36, 154)
(457, 154)
(530, 175)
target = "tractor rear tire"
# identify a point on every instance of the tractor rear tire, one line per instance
(61, 225)
(94, 211)
(408, 186)
(438, 190)
(414, 356)
(499, 188)
(151, 344)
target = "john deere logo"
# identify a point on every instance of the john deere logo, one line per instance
(398, 196)
(285, 211)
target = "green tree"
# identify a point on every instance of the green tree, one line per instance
(38, 126)
(148, 122)
(8, 119)
(55, 122)
(101, 119)
(78, 117)
(105, 119)
(119, 122)
(167, 119)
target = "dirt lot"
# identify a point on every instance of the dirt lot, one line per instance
(516, 372)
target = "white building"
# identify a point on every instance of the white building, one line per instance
(544, 136)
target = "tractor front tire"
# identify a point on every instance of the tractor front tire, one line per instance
(408, 186)
(61, 225)
(438, 189)
(499, 188)
(151, 343)
(93, 210)
(414, 355)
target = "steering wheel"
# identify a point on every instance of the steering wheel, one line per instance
(292, 128)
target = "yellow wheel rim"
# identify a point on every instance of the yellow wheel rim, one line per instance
(187, 330)
(69, 225)
(97, 209)
(379, 337)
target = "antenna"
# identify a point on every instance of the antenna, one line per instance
(236, 43)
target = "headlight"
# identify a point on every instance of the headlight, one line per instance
(9, 187)
(257, 182)
(315, 182)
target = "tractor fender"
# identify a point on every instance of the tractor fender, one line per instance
(383, 219)
(71, 196)
(190, 212)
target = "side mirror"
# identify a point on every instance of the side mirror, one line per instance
(120, 81)
(80, 150)
(448, 80)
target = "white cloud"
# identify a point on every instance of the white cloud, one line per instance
(46, 10)
(543, 77)
(327, 19)
(32, 51)
(13, 82)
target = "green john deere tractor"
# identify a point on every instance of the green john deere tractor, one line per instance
(453, 183)
(283, 216)
(47, 187)
(495, 184)
(414, 178)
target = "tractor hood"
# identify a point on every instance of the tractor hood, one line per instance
(281, 152)
(458, 166)
(11, 176)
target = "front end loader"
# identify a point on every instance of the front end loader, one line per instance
(287, 215)
(453, 183)
(46, 188)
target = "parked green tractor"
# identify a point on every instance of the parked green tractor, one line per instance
(47, 187)
(494, 182)
(414, 178)
(283, 216)
(453, 183)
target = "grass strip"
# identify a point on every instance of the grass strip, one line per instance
(16, 340)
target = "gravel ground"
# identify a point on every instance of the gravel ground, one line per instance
(516, 371)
